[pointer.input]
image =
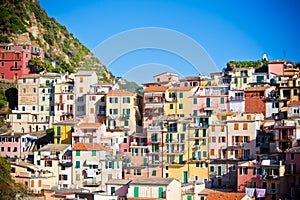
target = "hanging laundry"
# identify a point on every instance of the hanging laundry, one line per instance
(250, 191)
(260, 193)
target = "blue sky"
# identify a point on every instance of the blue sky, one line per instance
(227, 30)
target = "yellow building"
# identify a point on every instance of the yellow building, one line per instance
(178, 101)
(63, 131)
(186, 149)
(123, 112)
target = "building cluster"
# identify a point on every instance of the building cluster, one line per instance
(185, 138)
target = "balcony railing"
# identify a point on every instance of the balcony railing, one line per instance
(15, 67)
(272, 190)
(91, 183)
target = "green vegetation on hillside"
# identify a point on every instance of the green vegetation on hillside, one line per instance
(25, 21)
(8, 187)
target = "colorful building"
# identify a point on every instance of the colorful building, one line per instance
(14, 59)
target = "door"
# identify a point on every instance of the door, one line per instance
(136, 191)
(219, 170)
(160, 192)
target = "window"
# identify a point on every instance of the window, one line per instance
(183, 127)
(171, 106)
(245, 126)
(112, 190)
(81, 79)
(222, 100)
(93, 152)
(212, 128)
(77, 152)
(113, 100)
(222, 128)
(244, 80)
(42, 108)
(195, 112)
(213, 139)
(160, 192)
(19, 116)
(204, 153)
(33, 107)
(34, 90)
(154, 173)
(128, 171)
(180, 95)
(180, 106)
(77, 165)
(43, 98)
(244, 170)
(92, 110)
(40, 183)
(212, 169)
(292, 156)
(212, 152)
(236, 126)
(126, 99)
(23, 90)
(195, 101)
(32, 183)
(8, 149)
(23, 108)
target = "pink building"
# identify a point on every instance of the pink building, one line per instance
(16, 145)
(265, 176)
(210, 99)
(276, 67)
(14, 59)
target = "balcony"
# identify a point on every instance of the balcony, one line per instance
(154, 141)
(272, 190)
(125, 117)
(198, 126)
(91, 183)
(16, 67)
(236, 98)
(175, 141)
(154, 128)
(175, 152)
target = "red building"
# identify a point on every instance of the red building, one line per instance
(14, 59)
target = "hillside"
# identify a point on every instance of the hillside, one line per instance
(24, 21)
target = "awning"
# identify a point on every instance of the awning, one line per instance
(91, 162)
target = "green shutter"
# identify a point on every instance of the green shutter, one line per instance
(93, 152)
(208, 102)
(112, 190)
(189, 197)
(77, 152)
(136, 191)
(58, 130)
(160, 192)
(219, 170)
(154, 173)
(145, 161)
(185, 177)
(77, 164)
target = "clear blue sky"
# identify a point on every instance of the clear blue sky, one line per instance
(227, 30)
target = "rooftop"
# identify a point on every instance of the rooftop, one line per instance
(89, 146)
(258, 88)
(188, 88)
(225, 196)
(88, 125)
(155, 89)
(55, 147)
(118, 182)
(120, 93)
(84, 73)
(294, 103)
(152, 181)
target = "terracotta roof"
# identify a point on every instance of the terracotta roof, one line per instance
(257, 88)
(225, 196)
(155, 88)
(54, 147)
(294, 103)
(89, 146)
(120, 93)
(182, 88)
(88, 125)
